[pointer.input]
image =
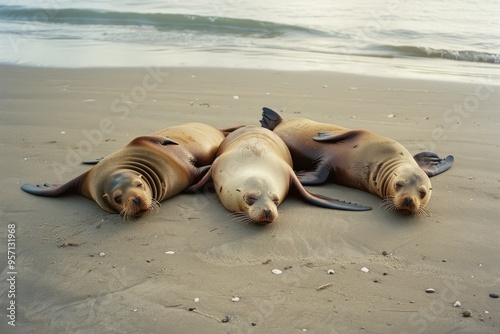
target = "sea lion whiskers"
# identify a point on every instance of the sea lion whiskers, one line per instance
(241, 217)
(423, 212)
(155, 205)
(388, 204)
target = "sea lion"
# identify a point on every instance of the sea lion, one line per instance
(252, 174)
(359, 159)
(150, 169)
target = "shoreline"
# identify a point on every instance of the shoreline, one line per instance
(56, 117)
(394, 74)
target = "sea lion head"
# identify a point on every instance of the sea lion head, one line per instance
(408, 192)
(257, 201)
(129, 194)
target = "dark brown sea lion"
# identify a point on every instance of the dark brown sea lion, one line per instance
(150, 169)
(253, 173)
(359, 159)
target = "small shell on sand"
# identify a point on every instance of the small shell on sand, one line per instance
(276, 271)
(430, 290)
(457, 304)
(169, 252)
(330, 272)
(391, 115)
(102, 254)
(196, 299)
(235, 299)
(365, 270)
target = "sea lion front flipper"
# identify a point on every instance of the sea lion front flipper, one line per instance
(92, 162)
(195, 188)
(324, 201)
(231, 129)
(161, 140)
(270, 119)
(432, 164)
(318, 175)
(201, 172)
(329, 137)
(54, 190)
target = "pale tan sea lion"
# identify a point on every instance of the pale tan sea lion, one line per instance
(150, 169)
(359, 159)
(252, 174)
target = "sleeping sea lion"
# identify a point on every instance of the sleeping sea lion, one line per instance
(150, 169)
(359, 159)
(252, 174)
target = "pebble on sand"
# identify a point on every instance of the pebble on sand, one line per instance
(235, 299)
(169, 252)
(466, 313)
(365, 270)
(494, 295)
(276, 271)
(430, 290)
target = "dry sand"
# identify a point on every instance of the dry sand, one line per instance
(53, 118)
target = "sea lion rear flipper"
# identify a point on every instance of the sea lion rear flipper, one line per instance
(326, 202)
(329, 137)
(270, 119)
(54, 190)
(432, 164)
(195, 188)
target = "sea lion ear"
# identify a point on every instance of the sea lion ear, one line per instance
(106, 196)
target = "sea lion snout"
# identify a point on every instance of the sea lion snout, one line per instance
(262, 208)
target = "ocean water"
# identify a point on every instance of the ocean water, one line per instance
(453, 39)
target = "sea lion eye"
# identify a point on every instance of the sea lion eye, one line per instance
(117, 197)
(276, 200)
(399, 185)
(138, 184)
(250, 200)
(423, 193)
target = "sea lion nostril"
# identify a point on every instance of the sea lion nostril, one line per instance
(408, 200)
(267, 213)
